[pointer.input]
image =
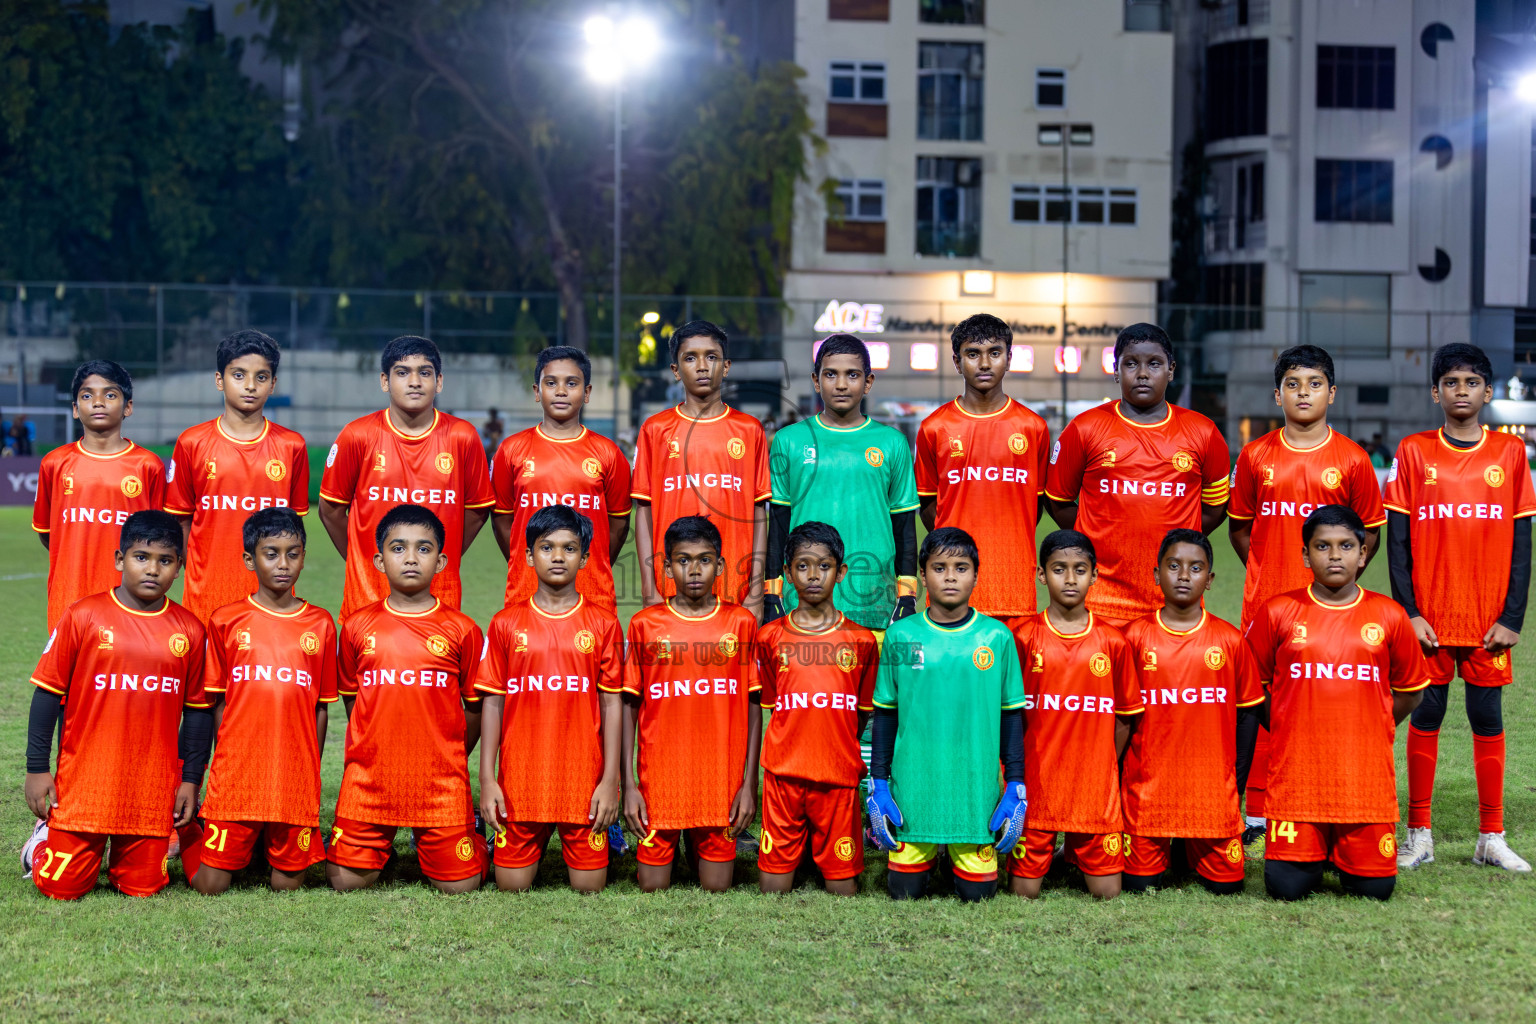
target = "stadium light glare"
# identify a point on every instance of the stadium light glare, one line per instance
(651, 318)
(1525, 87)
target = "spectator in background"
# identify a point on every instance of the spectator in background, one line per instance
(1381, 457)
(20, 436)
(492, 433)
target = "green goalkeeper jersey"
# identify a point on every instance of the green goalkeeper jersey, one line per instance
(854, 480)
(949, 686)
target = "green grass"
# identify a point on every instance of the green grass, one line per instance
(1456, 942)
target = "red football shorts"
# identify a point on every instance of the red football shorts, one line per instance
(1093, 853)
(794, 809)
(1476, 666)
(1369, 851)
(1218, 860)
(66, 865)
(228, 845)
(521, 844)
(448, 854)
(711, 842)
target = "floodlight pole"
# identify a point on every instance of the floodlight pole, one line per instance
(1066, 227)
(618, 234)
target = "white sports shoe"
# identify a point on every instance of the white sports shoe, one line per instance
(1418, 849)
(1493, 851)
(38, 837)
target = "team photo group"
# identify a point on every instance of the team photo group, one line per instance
(839, 644)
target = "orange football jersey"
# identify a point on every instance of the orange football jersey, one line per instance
(125, 677)
(988, 473)
(1331, 673)
(373, 467)
(1461, 505)
(411, 673)
(695, 678)
(550, 669)
(1133, 483)
(1180, 774)
(533, 471)
(1277, 486)
(272, 668)
(83, 500)
(816, 684)
(717, 468)
(1074, 686)
(219, 482)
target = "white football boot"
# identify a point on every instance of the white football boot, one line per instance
(38, 838)
(1417, 849)
(1493, 851)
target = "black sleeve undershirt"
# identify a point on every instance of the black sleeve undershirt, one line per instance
(778, 533)
(41, 720)
(882, 742)
(1011, 752)
(1400, 561)
(1519, 578)
(195, 743)
(1248, 722)
(904, 529)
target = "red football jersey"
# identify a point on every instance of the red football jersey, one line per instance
(124, 676)
(1277, 486)
(717, 468)
(219, 482)
(1332, 672)
(410, 672)
(272, 668)
(1462, 504)
(373, 467)
(83, 500)
(1074, 686)
(988, 473)
(1180, 775)
(550, 669)
(695, 678)
(533, 471)
(816, 684)
(1133, 483)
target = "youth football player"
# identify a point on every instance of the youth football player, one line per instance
(1125, 473)
(409, 452)
(981, 462)
(844, 469)
(1189, 748)
(408, 665)
(227, 468)
(561, 462)
(1458, 491)
(703, 458)
(125, 668)
(552, 676)
(1080, 696)
(272, 663)
(1279, 479)
(948, 694)
(87, 490)
(818, 673)
(1343, 668)
(689, 681)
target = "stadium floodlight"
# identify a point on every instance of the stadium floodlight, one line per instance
(1525, 87)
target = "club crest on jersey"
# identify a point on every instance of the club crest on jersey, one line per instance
(1018, 444)
(132, 486)
(592, 468)
(519, 641)
(1215, 657)
(1388, 845)
(597, 839)
(1494, 476)
(1430, 475)
(663, 649)
(845, 658)
(1269, 476)
(674, 448)
(727, 645)
(1149, 661)
(179, 644)
(1037, 661)
(69, 484)
(808, 455)
(1332, 477)
(276, 470)
(370, 643)
(1111, 844)
(1099, 664)
(1234, 851)
(304, 838)
(438, 645)
(874, 456)
(527, 467)
(1183, 461)
(242, 639)
(103, 640)
(735, 447)
(586, 642)
(844, 848)
(956, 448)
(1373, 634)
(309, 643)
(378, 462)
(212, 465)
(1298, 633)
(464, 848)
(1107, 462)
(982, 658)
(444, 463)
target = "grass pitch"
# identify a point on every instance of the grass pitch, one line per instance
(1455, 943)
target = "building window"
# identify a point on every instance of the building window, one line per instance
(1050, 87)
(1236, 291)
(862, 199)
(1237, 89)
(1148, 16)
(952, 12)
(1347, 314)
(858, 10)
(1353, 191)
(1236, 222)
(1083, 204)
(948, 206)
(858, 81)
(949, 87)
(1356, 77)
(1374, 394)
(1077, 134)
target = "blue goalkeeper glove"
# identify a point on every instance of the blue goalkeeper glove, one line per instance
(1009, 816)
(883, 813)
(773, 608)
(905, 605)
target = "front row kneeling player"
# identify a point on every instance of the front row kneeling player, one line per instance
(1344, 668)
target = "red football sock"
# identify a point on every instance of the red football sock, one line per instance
(1488, 766)
(1258, 776)
(1423, 752)
(191, 848)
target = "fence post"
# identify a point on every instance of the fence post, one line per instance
(159, 329)
(293, 318)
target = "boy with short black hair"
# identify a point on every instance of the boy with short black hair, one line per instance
(818, 673)
(125, 668)
(1455, 492)
(408, 452)
(948, 703)
(689, 678)
(552, 676)
(1080, 696)
(227, 468)
(272, 662)
(408, 667)
(87, 490)
(1342, 668)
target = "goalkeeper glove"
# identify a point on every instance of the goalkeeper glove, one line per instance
(883, 813)
(1009, 816)
(905, 605)
(773, 608)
